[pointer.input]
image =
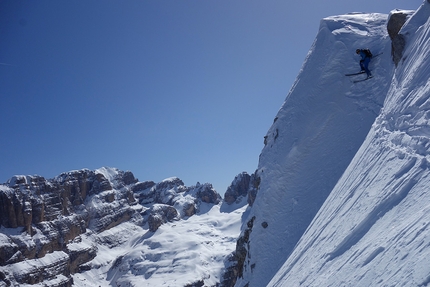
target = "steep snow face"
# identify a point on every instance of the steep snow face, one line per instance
(373, 228)
(318, 130)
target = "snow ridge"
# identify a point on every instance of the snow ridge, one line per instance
(318, 130)
(372, 229)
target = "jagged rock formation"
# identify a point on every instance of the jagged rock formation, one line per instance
(237, 259)
(238, 188)
(42, 220)
(243, 186)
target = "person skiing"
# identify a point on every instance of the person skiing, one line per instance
(366, 56)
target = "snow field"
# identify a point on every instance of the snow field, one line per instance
(178, 253)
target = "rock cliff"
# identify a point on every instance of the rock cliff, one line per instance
(42, 220)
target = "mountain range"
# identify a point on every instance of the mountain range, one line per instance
(339, 197)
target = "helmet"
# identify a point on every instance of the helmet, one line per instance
(357, 51)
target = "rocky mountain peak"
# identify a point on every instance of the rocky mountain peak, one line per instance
(42, 220)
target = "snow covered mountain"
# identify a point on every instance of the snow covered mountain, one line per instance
(340, 196)
(343, 197)
(105, 228)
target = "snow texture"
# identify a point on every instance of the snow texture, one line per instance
(345, 172)
(177, 254)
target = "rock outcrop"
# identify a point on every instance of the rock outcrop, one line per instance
(243, 186)
(161, 213)
(173, 192)
(237, 259)
(42, 221)
(396, 21)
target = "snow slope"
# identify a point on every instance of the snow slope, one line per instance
(359, 234)
(316, 133)
(373, 228)
(177, 254)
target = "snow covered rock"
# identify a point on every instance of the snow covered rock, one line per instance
(52, 230)
(40, 217)
(79, 254)
(161, 213)
(207, 194)
(144, 192)
(172, 191)
(238, 188)
(52, 269)
(243, 186)
(18, 206)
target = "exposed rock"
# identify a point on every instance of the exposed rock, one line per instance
(42, 220)
(166, 191)
(55, 211)
(145, 192)
(108, 218)
(199, 283)
(55, 235)
(207, 194)
(395, 22)
(238, 188)
(173, 192)
(141, 186)
(7, 250)
(80, 255)
(128, 178)
(161, 213)
(243, 185)
(170, 183)
(231, 271)
(242, 246)
(39, 270)
(253, 188)
(237, 259)
(189, 209)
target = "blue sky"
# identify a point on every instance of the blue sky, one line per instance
(160, 88)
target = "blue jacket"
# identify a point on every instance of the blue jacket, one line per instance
(363, 55)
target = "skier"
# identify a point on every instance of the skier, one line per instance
(366, 56)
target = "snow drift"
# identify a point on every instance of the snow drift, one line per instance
(343, 198)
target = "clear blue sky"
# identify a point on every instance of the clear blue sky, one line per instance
(160, 88)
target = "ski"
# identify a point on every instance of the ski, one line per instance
(353, 74)
(362, 80)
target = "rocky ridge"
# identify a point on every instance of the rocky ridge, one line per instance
(43, 220)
